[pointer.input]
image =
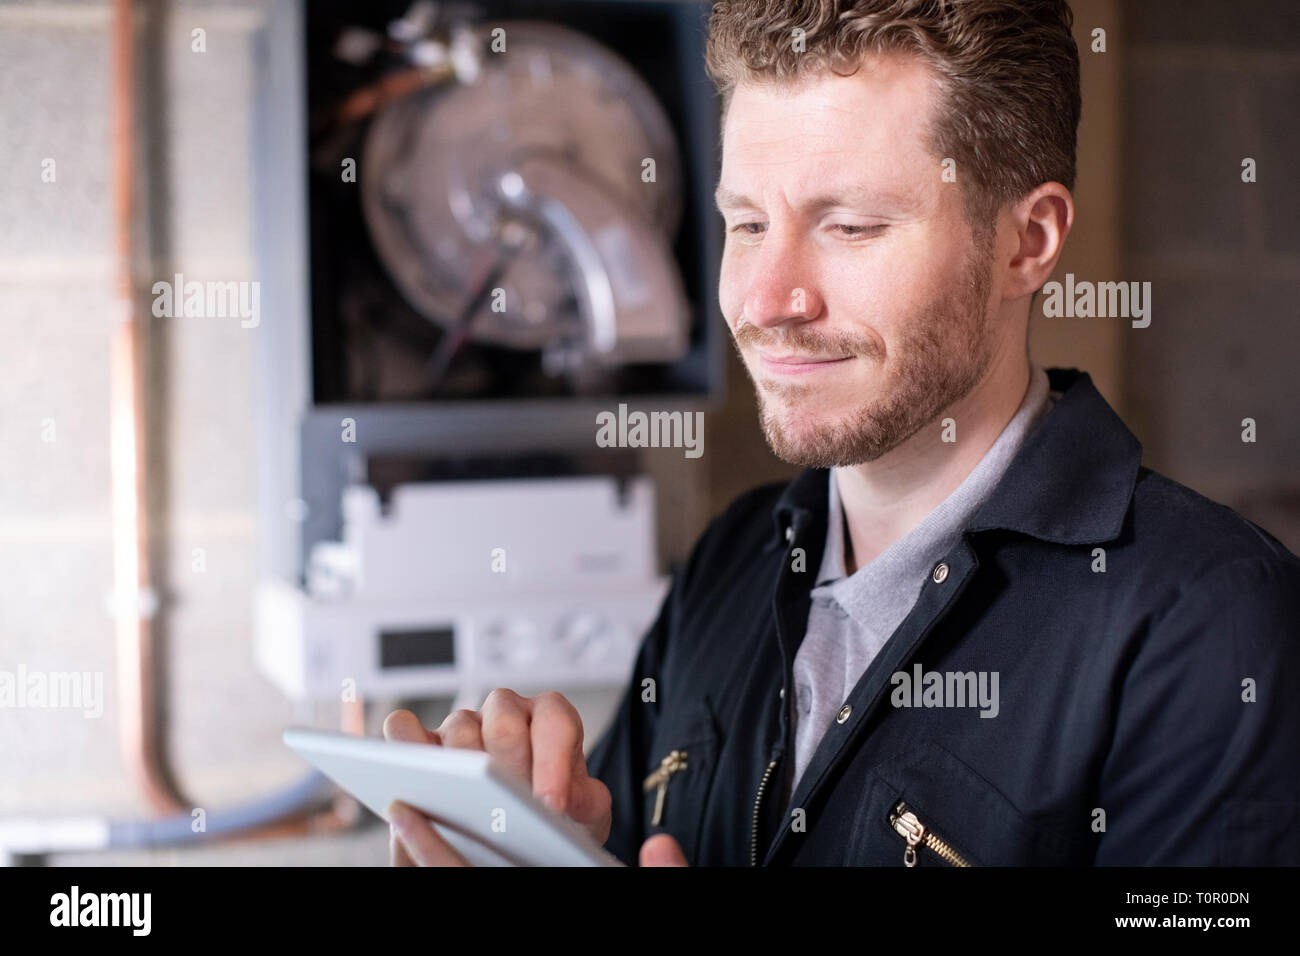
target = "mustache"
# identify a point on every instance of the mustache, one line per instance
(801, 342)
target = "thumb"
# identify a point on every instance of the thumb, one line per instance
(662, 850)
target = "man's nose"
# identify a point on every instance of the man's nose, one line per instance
(784, 288)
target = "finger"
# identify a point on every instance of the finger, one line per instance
(462, 728)
(662, 850)
(397, 855)
(505, 724)
(591, 804)
(557, 748)
(423, 844)
(404, 725)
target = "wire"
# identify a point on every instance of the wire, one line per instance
(181, 827)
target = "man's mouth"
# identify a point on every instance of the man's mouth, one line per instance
(799, 364)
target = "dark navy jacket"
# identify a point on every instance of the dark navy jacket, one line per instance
(1148, 713)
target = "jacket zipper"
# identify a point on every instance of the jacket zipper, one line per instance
(911, 829)
(758, 801)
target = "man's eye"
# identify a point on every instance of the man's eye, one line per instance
(848, 229)
(852, 230)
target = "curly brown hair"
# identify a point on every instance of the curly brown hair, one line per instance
(1007, 73)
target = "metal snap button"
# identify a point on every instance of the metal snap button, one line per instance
(940, 572)
(843, 715)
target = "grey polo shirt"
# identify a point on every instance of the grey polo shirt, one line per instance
(852, 617)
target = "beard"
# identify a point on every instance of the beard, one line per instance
(942, 353)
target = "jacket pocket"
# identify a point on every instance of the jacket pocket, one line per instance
(679, 777)
(928, 808)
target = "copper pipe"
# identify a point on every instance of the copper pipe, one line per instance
(133, 597)
(134, 601)
(388, 88)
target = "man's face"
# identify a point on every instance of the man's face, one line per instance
(846, 248)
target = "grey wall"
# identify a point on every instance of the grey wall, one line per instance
(56, 241)
(1208, 84)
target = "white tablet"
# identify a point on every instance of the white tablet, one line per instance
(488, 815)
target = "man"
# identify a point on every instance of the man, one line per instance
(975, 630)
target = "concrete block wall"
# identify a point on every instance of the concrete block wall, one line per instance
(1209, 84)
(56, 243)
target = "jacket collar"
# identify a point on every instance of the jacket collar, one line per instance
(1070, 483)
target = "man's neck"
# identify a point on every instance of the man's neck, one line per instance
(885, 499)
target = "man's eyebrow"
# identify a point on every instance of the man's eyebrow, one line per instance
(726, 199)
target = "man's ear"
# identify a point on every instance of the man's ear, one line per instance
(1043, 220)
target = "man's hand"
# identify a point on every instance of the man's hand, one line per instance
(414, 843)
(662, 850)
(539, 739)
